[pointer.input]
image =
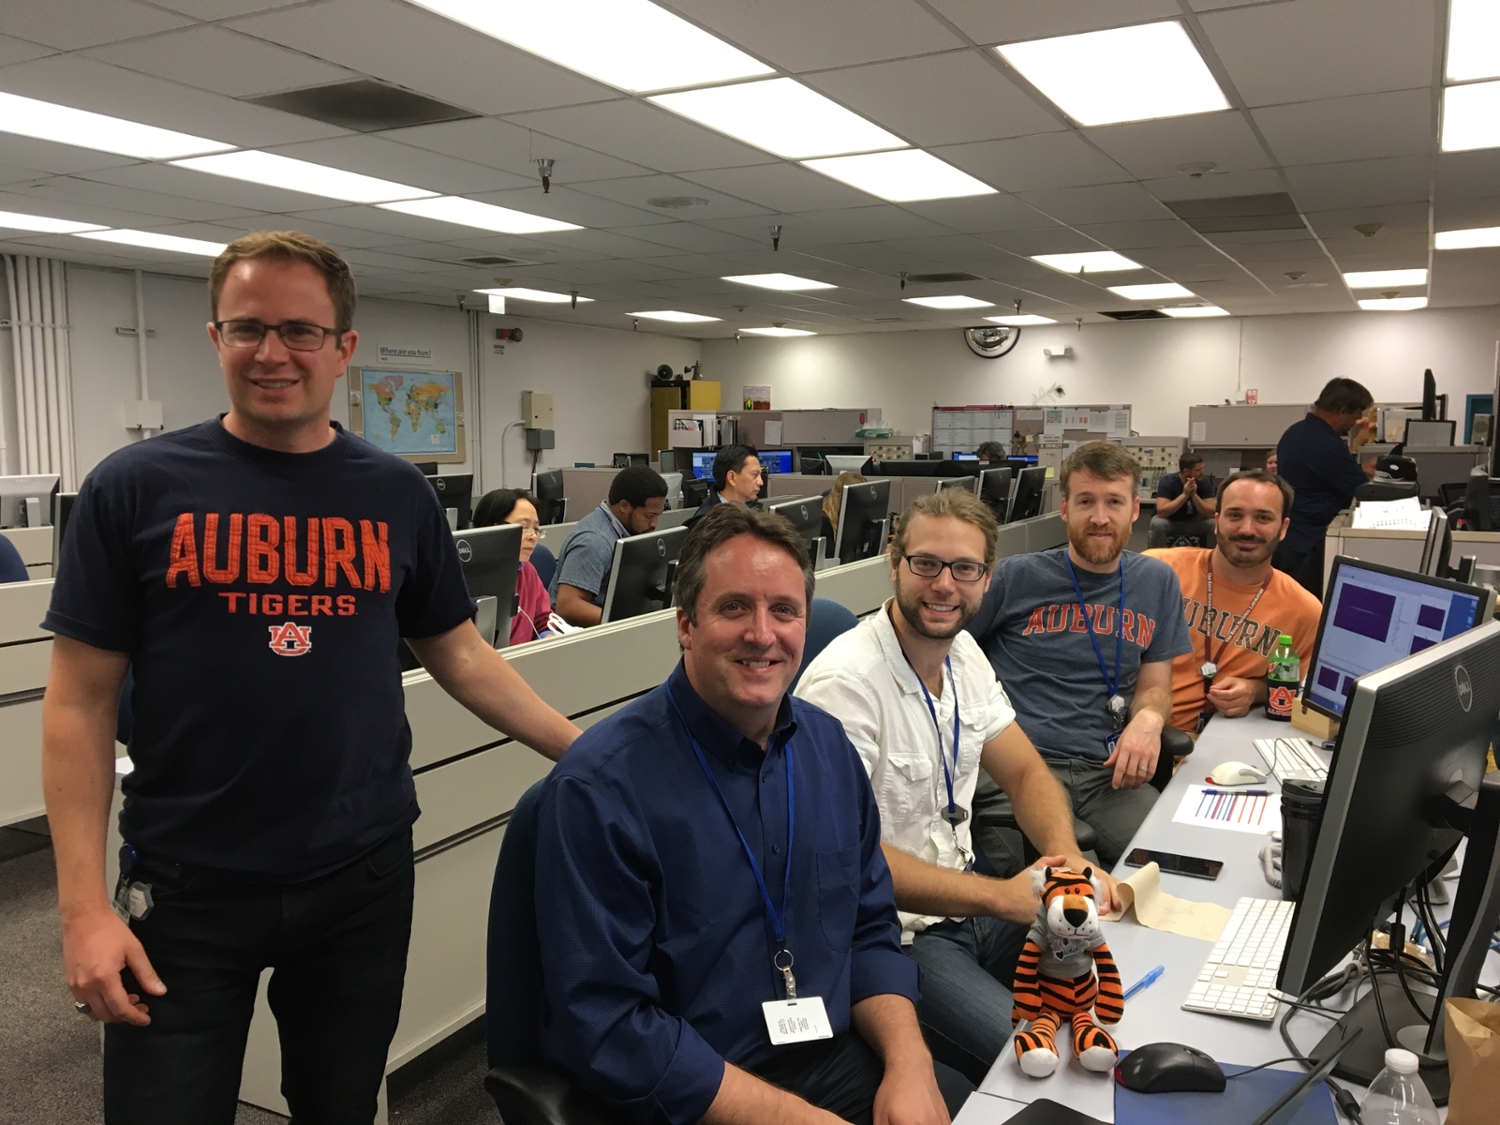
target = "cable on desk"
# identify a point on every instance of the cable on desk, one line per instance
(1262, 1066)
(1332, 985)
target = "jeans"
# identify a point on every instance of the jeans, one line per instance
(1164, 531)
(967, 968)
(337, 945)
(842, 1074)
(1305, 566)
(1114, 814)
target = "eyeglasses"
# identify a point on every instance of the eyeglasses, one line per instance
(528, 528)
(926, 566)
(297, 335)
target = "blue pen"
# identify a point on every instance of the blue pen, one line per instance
(1145, 982)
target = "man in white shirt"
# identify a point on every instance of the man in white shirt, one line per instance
(908, 683)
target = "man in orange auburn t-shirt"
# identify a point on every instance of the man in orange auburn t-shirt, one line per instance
(1236, 604)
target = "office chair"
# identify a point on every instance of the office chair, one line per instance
(826, 619)
(526, 1090)
(545, 563)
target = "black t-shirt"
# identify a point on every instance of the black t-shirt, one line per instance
(1170, 488)
(260, 596)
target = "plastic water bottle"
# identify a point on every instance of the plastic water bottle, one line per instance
(1282, 680)
(1398, 1095)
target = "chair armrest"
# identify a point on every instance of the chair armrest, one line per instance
(1174, 744)
(1083, 833)
(535, 1094)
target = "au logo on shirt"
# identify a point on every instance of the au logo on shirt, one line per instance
(291, 639)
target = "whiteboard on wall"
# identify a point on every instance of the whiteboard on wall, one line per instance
(965, 428)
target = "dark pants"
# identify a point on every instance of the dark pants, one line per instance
(1304, 566)
(337, 945)
(842, 1074)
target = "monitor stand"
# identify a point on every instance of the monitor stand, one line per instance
(1365, 1057)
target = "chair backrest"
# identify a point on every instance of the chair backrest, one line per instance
(826, 619)
(545, 563)
(513, 957)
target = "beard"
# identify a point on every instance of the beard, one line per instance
(1248, 554)
(1099, 554)
(911, 609)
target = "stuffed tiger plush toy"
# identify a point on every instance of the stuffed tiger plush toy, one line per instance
(1055, 979)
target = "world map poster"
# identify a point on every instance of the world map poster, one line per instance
(410, 413)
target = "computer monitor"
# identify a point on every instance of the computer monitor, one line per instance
(813, 466)
(27, 501)
(775, 460)
(1437, 546)
(456, 491)
(694, 492)
(703, 463)
(1019, 461)
(491, 557)
(642, 572)
(1374, 616)
(1027, 501)
(914, 468)
(1406, 784)
(864, 516)
(674, 489)
(849, 463)
(667, 459)
(625, 460)
(994, 490)
(62, 509)
(968, 484)
(966, 457)
(1424, 432)
(551, 504)
(805, 514)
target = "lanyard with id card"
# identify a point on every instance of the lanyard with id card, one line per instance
(1117, 706)
(797, 1019)
(955, 815)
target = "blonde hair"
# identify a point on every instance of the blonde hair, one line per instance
(835, 497)
(289, 246)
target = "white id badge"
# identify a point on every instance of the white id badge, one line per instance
(797, 1021)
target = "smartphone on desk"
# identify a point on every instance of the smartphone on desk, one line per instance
(1192, 866)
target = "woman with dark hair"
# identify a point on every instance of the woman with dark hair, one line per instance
(514, 505)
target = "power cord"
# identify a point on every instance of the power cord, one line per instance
(1332, 985)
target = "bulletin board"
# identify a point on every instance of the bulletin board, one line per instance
(964, 428)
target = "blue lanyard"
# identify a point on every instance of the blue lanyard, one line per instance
(778, 917)
(1112, 686)
(932, 710)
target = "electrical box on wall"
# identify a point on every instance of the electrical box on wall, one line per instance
(536, 410)
(541, 439)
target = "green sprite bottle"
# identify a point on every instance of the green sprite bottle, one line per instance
(1282, 680)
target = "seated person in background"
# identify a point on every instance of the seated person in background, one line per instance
(1236, 604)
(533, 606)
(712, 847)
(831, 504)
(1083, 637)
(1184, 506)
(737, 477)
(924, 737)
(12, 568)
(991, 453)
(637, 498)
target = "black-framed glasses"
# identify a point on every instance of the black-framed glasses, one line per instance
(964, 570)
(298, 335)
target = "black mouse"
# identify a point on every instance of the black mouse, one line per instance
(1164, 1068)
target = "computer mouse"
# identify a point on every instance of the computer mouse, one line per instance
(1235, 773)
(1165, 1068)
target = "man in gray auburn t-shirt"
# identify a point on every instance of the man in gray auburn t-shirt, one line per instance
(1083, 638)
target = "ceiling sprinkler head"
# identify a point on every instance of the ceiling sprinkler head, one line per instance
(573, 293)
(903, 279)
(1197, 169)
(778, 324)
(1369, 230)
(461, 298)
(635, 325)
(775, 236)
(739, 308)
(544, 166)
(1390, 294)
(1295, 275)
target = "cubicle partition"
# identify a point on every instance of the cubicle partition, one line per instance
(25, 653)
(35, 547)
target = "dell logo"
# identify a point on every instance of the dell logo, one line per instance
(661, 548)
(465, 552)
(440, 483)
(1465, 687)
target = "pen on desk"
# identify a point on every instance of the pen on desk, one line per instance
(1145, 982)
(1236, 793)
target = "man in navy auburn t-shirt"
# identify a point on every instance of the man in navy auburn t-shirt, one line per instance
(255, 571)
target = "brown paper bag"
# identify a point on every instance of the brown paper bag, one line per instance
(1471, 1033)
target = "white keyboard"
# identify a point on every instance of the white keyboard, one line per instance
(1292, 758)
(1240, 973)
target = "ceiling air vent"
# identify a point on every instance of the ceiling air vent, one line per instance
(1136, 314)
(364, 106)
(1274, 211)
(942, 278)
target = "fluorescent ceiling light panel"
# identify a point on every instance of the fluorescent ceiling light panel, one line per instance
(1156, 292)
(1194, 311)
(1123, 74)
(901, 177)
(777, 332)
(481, 216)
(14, 220)
(1393, 304)
(1025, 320)
(153, 241)
(1467, 239)
(1093, 261)
(301, 175)
(1471, 117)
(631, 44)
(1384, 279)
(956, 301)
(1473, 40)
(521, 293)
(785, 282)
(674, 316)
(45, 121)
(781, 116)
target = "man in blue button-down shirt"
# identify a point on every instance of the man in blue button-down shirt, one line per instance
(656, 940)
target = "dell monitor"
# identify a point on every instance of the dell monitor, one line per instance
(994, 490)
(27, 501)
(703, 463)
(1405, 785)
(966, 456)
(775, 460)
(62, 510)
(491, 558)
(625, 460)
(1375, 615)
(813, 466)
(551, 504)
(674, 489)
(864, 517)
(1425, 432)
(641, 573)
(694, 492)
(456, 492)
(1027, 501)
(1437, 546)
(849, 463)
(806, 515)
(968, 484)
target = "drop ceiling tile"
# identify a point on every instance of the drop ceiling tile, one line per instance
(70, 25)
(1466, 277)
(1169, 258)
(786, 188)
(374, 155)
(1013, 21)
(65, 206)
(1248, 252)
(426, 53)
(18, 50)
(201, 189)
(347, 236)
(940, 99)
(1401, 218)
(1102, 203)
(798, 232)
(112, 189)
(686, 236)
(603, 243)
(1126, 237)
(1154, 149)
(798, 36)
(625, 271)
(880, 222)
(566, 205)
(1361, 183)
(378, 259)
(1462, 214)
(499, 144)
(1364, 127)
(1386, 251)
(213, 58)
(983, 213)
(222, 9)
(1468, 175)
(642, 133)
(1280, 53)
(1216, 185)
(45, 157)
(635, 191)
(1057, 239)
(1046, 160)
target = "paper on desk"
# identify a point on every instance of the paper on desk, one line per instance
(1405, 514)
(1239, 810)
(1158, 910)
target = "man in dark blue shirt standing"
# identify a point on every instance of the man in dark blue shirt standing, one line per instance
(718, 933)
(1314, 457)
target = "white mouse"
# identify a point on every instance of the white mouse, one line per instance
(1235, 773)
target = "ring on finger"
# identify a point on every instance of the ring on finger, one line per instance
(81, 1007)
